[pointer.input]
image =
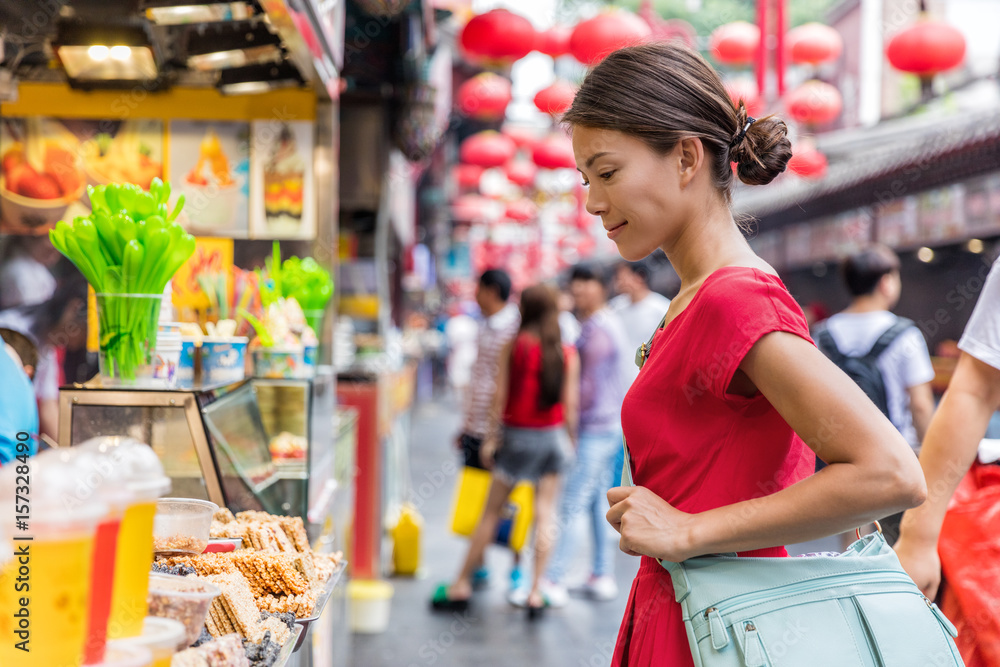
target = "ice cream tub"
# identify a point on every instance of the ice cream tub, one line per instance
(281, 362)
(222, 359)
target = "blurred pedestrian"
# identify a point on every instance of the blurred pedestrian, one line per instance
(568, 324)
(535, 402)
(732, 386)
(460, 332)
(501, 320)
(25, 275)
(584, 499)
(640, 310)
(18, 411)
(952, 440)
(55, 325)
(885, 354)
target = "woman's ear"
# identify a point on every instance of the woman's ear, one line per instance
(691, 156)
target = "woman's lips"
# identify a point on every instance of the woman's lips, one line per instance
(615, 231)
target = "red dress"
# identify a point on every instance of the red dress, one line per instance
(697, 446)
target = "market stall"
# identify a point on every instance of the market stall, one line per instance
(166, 171)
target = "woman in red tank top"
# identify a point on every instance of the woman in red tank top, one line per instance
(734, 399)
(536, 399)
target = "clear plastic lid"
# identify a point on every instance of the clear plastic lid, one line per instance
(159, 635)
(52, 507)
(123, 655)
(133, 465)
(96, 477)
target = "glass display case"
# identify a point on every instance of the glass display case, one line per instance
(280, 446)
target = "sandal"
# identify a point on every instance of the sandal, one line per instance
(441, 602)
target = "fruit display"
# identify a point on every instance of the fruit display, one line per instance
(56, 175)
(125, 157)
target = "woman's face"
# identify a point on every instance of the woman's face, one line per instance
(635, 190)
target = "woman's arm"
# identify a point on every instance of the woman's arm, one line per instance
(949, 449)
(922, 408)
(871, 470)
(571, 395)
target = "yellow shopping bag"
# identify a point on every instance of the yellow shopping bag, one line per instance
(470, 500)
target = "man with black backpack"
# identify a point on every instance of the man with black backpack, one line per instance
(884, 354)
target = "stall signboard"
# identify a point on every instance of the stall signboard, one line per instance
(48, 164)
(849, 232)
(281, 167)
(212, 257)
(896, 223)
(980, 219)
(941, 214)
(210, 166)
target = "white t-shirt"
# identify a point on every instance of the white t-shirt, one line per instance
(906, 363)
(981, 337)
(639, 319)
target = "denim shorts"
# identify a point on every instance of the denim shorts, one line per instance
(529, 453)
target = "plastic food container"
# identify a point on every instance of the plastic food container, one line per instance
(183, 599)
(181, 526)
(166, 358)
(223, 360)
(163, 637)
(118, 655)
(281, 362)
(371, 600)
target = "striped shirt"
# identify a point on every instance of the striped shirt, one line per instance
(495, 332)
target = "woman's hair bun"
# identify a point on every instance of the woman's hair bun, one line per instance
(764, 151)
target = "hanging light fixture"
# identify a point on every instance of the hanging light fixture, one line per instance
(235, 45)
(107, 55)
(258, 78)
(179, 12)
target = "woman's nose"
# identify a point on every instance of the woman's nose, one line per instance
(596, 204)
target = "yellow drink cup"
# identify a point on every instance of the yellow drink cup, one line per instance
(163, 637)
(56, 573)
(133, 558)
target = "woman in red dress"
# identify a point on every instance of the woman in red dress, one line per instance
(734, 399)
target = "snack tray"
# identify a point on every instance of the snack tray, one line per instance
(321, 600)
(290, 646)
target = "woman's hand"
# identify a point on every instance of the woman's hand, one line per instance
(649, 525)
(487, 452)
(922, 563)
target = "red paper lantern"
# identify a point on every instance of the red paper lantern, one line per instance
(927, 48)
(467, 175)
(813, 43)
(554, 41)
(747, 91)
(498, 35)
(521, 210)
(484, 96)
(521, 172)
(523, 137)
(814, 103)
(554, 152)
(807, 162)
(474, 208)
(487, 149)
(592, 40)
(555, 99)
(735, 43)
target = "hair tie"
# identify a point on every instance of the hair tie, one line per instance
(739, 137)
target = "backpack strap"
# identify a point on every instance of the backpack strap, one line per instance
(643, 352)
(890, 335)
(828, 346)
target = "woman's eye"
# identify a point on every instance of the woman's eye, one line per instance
(586, 184)
(608, 174)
